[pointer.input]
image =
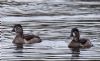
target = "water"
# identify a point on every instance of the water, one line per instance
(52, 21)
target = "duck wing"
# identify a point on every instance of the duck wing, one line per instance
(83, 40)
(28, 37)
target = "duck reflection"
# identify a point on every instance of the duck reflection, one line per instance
(75, 54)
(18, 53)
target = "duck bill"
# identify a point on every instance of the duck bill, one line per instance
(71, 35)
(13, 30)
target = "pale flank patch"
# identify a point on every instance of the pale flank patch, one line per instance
(26, 42)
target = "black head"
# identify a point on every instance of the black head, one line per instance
(75, 34)
(17, 28)
(74, 31)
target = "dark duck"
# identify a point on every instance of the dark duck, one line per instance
(78, 42)
(21, 38)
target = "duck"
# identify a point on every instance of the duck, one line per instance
(22, 38)
(78, 42)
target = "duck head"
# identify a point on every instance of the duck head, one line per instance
(75, 34)
(17, 28)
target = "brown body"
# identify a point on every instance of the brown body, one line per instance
(21, 38)
(78, 42)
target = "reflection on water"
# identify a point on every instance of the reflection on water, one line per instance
(52, 21)
(75, 54)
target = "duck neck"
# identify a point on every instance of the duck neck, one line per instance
(76, 37)
(19, 34)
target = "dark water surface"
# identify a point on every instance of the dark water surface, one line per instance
(52, 21)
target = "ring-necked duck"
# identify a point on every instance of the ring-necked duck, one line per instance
(21, 38)
(78, 42)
